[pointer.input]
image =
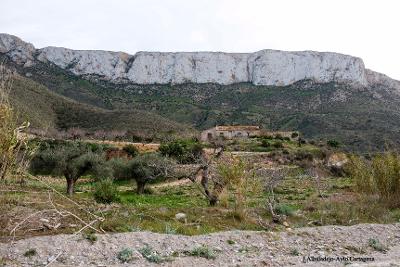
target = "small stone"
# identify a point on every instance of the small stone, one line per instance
(286, 224)
(180, 217)
(51, 258)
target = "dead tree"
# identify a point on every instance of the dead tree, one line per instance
(205, 163)
(273, 177)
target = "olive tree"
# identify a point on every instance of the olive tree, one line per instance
(149, 167)
(71, 161)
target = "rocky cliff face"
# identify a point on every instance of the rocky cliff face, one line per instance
(18, 50)
(266, 67)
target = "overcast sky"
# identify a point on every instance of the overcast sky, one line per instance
(363, 28)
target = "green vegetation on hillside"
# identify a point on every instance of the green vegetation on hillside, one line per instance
(49, 110)
(361, 119)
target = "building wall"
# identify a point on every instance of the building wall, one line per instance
(204, 134)
(213, 133)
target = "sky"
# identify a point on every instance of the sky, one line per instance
(363, 28)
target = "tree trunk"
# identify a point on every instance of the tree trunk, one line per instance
(70, 186)
(213, 200)
(140, 187)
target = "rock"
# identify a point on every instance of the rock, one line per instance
(180, 217)
(286, 224)
(19, 51)
(336, 163)
(265, 67)
(51, 258)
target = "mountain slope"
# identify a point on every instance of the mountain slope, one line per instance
(48, 110)
(363, 119)
(362, 112)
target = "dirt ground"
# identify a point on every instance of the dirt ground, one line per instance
(358, 245)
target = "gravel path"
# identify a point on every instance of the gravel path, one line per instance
(234, 248)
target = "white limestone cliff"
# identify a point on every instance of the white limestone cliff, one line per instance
(266, 67)
(381, 80)
(271, 67)
(18, 50)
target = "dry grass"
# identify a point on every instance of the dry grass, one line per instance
(378, 178)
(11, 141)
(241, 181)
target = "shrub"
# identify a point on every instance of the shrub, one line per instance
(265, 143)
(333, 143)
(91, 237)
(301, 141)
(152, 256)
(30, 252)
(303, 155)
(377, 245)
(284, 209)
(131, 150)
(184, 151)
(379, 177)
(119, 167)
(294, 252)
(278, 136)
(278, 144)
(295, 135)
(202, 251)
(105, 191)
(125, 255)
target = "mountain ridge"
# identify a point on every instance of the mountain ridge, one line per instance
(265, 67)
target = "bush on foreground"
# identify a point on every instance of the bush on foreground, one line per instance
(378, 177)
(184, 151)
